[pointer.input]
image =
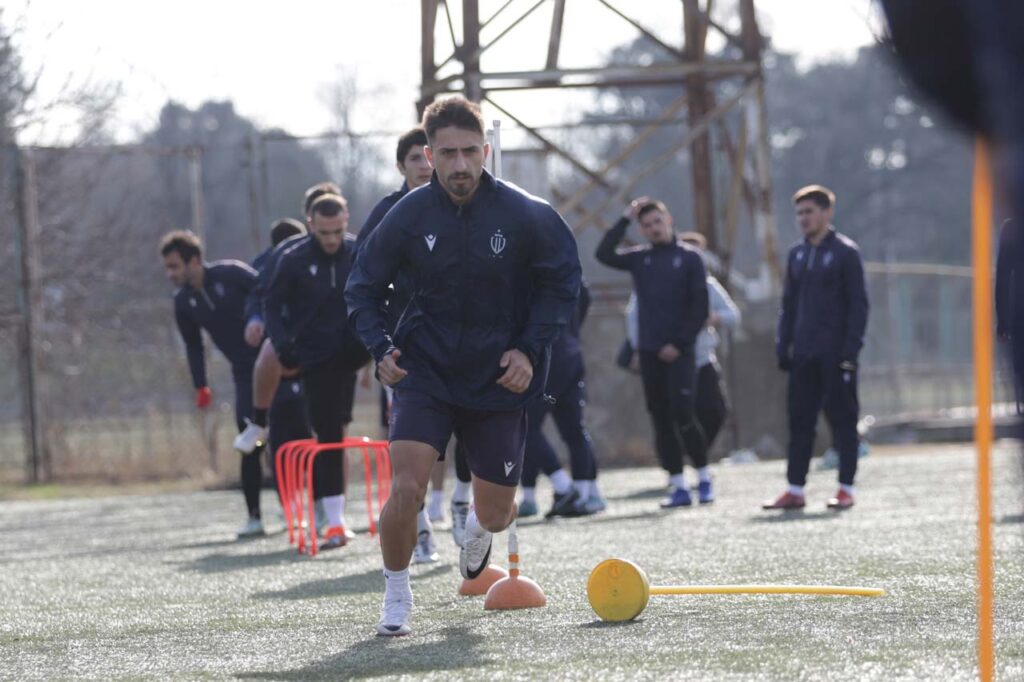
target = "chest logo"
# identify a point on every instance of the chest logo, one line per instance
(192, 302)
(647, 260)
(295, 388)
(498, 243)
(219, 289)
(827, 260)
(799, 255)
(312, 269)
(431, 239)
(677, 262)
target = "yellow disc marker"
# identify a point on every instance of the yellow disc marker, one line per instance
(618, 590)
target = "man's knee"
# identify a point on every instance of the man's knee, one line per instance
(494, 517)
(407, 493)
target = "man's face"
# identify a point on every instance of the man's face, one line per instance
(178, 271)
(415, 168)
(458, 156)
(811, 218)
(656, 226)
(329, 231)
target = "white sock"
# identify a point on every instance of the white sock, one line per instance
(676, 481)
(473, 527)
(529, 494)
(582, 489)
(423, 521)
(848, 489)
(334, 507)
(594, 490)
(461, 492)
(796, 490)
(436, 500)
(397, 582)
(704, 474)
(561, 482)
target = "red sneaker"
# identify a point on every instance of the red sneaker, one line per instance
(335, 537)
(842, 500)
(786, 500)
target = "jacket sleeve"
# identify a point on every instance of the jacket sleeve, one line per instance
(856, 295)
(556, 270)
(1004, 277)
(366, 293)
(723, 305)
(695, 308)
(583, 304)
(192, 335)
(372, 221)
(787, 314)
(254, 301)
(278, 286)
(607, 250)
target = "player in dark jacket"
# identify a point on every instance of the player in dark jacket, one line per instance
(820, 334)
(494, 274)
(672, 300)
(212, 296)
(308, 284)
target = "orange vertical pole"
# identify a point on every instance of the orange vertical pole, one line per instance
(981, 242)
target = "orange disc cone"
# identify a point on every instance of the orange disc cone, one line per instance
(479, 585)
(515, 592)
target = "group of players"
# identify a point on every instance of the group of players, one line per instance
(465, 295)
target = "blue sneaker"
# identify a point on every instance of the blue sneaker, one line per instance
(705, 494)
(680, 497)
(527, 508)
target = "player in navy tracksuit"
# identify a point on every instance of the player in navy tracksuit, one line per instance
(564, 399)
(1010, 305)
(308, 284)
(212, 296)
(672, 300)
(494, 275)
(821, 331)
(268, 371)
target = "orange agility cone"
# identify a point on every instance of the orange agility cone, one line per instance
(515, 591)
(479, 585)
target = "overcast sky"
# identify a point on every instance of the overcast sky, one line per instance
(273, 59)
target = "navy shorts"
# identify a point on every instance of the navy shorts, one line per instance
(493, 441)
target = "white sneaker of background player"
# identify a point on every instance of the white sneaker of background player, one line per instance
(253, 528)
(425, 551)
(250, 438)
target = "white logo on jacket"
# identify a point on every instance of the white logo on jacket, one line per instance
(219, 289)
(431, 240)
(312, 269)
(827, 260)
(498, 242)
(677, 262)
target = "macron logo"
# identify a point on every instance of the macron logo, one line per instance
(509, 466)
(431, 240)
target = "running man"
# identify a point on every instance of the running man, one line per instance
(308, 283)
(672, 307)
(411, 161)
(494, 274)
(820, 334)
(212, 296)
(268, 371)
(565, 397)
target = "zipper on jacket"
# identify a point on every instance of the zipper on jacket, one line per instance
(333, 267)
(810, 259)
(207, 298)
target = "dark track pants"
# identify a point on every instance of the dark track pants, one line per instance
(712, 406)
(669, 389)
(816, 384)
(251, 472)
(330, 390)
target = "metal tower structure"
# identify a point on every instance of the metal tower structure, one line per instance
(690, 72)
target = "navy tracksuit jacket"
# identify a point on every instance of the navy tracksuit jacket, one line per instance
(497, 273)
(219, 308)
(399, 298)
(821, 327)
(304, 306)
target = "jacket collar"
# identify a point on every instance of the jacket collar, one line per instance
(488, 186)
(828, 239)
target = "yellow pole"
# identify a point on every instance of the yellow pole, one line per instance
(981, 243)
(768, 589)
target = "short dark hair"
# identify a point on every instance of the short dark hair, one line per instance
(652, 205)
(453, 111)
(417, 137)
(284, 228)
(183, 242)
(317, 191)
(819, 194)
(328, 205)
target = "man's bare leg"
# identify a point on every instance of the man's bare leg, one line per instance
(266, 377)
(494, 510)
(436, 507)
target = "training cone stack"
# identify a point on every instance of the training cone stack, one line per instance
(478, 586)
(514, 591)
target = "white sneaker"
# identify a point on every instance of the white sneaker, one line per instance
(253, 528)
(425, 552)
(435, 513)
(251, 438)
(395, 616)
(460, 510)
(475, 554)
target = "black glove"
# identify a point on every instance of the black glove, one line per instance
(624, 358)
(288, 356)
(785, 363)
